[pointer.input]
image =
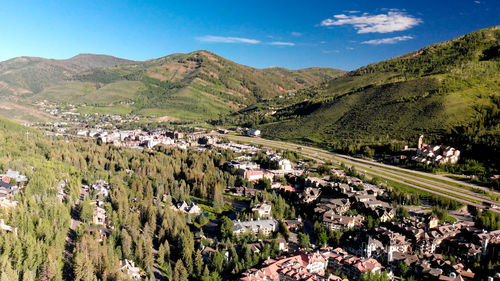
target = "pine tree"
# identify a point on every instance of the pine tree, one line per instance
(198, 263)
(180, 272)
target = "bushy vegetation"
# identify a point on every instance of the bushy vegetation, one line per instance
(488, 220)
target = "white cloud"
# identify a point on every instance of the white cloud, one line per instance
(223, 39)
(330, 51)
(279, 43)
(295, 33)
(391, 40)
(394, 20)
(352, 12)
(477, 2)
(350, 48)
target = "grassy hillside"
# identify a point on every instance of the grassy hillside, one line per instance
(198, 85)
(23, 113)
(449, 91)
(30, 75)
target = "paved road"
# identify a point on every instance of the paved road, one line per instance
(423, 182)
(384, 171)
(437, 178)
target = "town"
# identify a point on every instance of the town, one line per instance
(322, 222)
(318, 221)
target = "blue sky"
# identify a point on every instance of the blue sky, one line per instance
(292, 34)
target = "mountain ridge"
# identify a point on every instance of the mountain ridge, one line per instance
(196, 85)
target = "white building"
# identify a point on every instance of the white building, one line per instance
(266, 227)
(263, 210)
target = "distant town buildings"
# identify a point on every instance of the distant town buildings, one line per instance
(279, 163)
(435, 154)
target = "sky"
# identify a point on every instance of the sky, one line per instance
(291, 34)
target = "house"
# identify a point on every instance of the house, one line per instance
(13, 175)
(99, 216)
(207, 252)
(128, 267)
(318, 182)
(373, 189)
(194, 209)
(190, 209)
(277, 162)
(300, 266)
(385, 214)
(432, 222)
(101, 188)
(282, 244)
(338, 206)
(286, 189)
(253, 175)
(258, 246)
(337, 222)
(294, 225)
(243, 165)
(100, 231)
(265, 227)
(242, 191)
(7, 228)
(263, 210)
(433, 267)
(439, 154)
(253, 132)
(276, 184)
(352, 266)
(7, 203)
(310, 194)
(6, 189)
(174, 135)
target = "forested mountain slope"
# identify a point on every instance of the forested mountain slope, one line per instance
(30, 75)
(448, 91)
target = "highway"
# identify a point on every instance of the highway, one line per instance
(449, 188)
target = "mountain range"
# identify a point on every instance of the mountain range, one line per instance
(198, 85)
(448, 91)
